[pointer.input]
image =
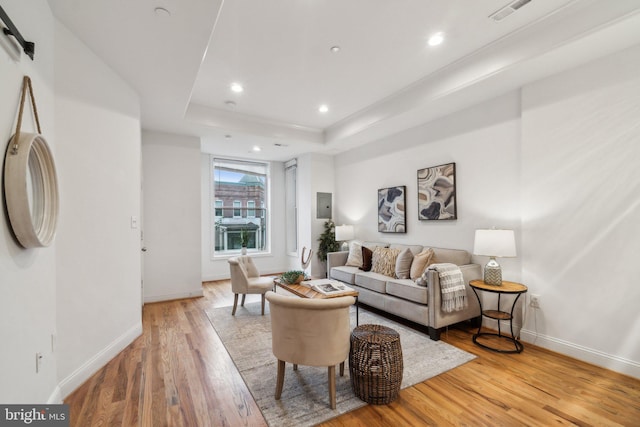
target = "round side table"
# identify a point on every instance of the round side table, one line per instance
(507, 288)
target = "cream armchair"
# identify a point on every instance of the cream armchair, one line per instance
(245, 279)
(311, 332)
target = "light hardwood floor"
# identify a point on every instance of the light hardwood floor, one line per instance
(178, 373)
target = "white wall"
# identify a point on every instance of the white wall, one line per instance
(274, 262)
(559, 164)
(27, 277)
(483, 141)
(78, 301)
(316, 174)
(98, 252)
(172, 234)
(581, 210)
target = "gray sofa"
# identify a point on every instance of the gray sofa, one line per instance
(403, 297)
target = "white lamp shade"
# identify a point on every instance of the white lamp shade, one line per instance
(344, 232)
(495, 243)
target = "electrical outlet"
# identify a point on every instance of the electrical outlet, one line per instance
(534, 302)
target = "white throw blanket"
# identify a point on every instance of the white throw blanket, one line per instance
(454, 292)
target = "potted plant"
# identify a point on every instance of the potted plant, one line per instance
(244, 239)
(292, 277)
(327, 241)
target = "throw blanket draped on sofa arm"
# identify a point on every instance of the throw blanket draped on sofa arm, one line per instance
(452, 287)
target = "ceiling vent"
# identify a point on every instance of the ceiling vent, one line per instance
(508, 10)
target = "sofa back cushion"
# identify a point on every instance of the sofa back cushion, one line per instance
(454, 256)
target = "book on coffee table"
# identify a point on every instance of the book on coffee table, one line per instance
(327, 286)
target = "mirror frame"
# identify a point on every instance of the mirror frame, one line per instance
(33, 223)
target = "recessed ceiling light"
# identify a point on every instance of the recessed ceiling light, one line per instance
(334, 49)
(230, 104)
(280, 144)
(436, 39)
(323, 108)
(236, 87)
(256, 148)
(227, 136)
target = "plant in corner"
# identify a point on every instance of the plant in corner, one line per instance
(327, 241)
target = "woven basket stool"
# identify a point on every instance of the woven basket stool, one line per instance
(375, 363)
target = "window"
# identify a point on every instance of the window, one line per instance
(241, 186)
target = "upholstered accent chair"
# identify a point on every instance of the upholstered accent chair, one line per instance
(310, 332)
(245, 279)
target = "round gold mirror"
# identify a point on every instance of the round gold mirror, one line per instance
(31, 190)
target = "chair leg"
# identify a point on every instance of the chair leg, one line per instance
(235, 304)
(243, 296)
(280, 379)
(263, 299)
(332, 386)
(342, 369)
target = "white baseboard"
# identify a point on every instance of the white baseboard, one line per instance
(56, 397)
(91, 366)
(585, 354)
(589, 355)
(169, 297)
(215, 278)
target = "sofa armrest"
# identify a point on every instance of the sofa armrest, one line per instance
(336, 259)
(437, 317)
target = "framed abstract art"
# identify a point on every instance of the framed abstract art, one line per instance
(437, 192)
(391, 210)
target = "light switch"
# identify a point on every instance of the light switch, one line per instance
(134, 222)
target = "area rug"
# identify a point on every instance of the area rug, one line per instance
(305, 398)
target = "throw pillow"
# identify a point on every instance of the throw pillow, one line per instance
(367, 255)
(420, 263)
(403, 264)
(384, 261)
(355, 255)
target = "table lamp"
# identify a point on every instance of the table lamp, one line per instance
(343, 234)
(494, 243)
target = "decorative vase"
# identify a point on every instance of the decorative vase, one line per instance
(243, 251)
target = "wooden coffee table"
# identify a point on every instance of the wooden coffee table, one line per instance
(306, 292)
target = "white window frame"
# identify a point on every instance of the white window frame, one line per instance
(262, 240)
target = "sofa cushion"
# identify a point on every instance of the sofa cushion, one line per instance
(453, 256)
(407, 289)
(355, 255)
(420, 263)
(384, 261)
(344, 274)
(367, 256)
(373, 281)
(403, 264)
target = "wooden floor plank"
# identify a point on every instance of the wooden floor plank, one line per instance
(178, 373)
